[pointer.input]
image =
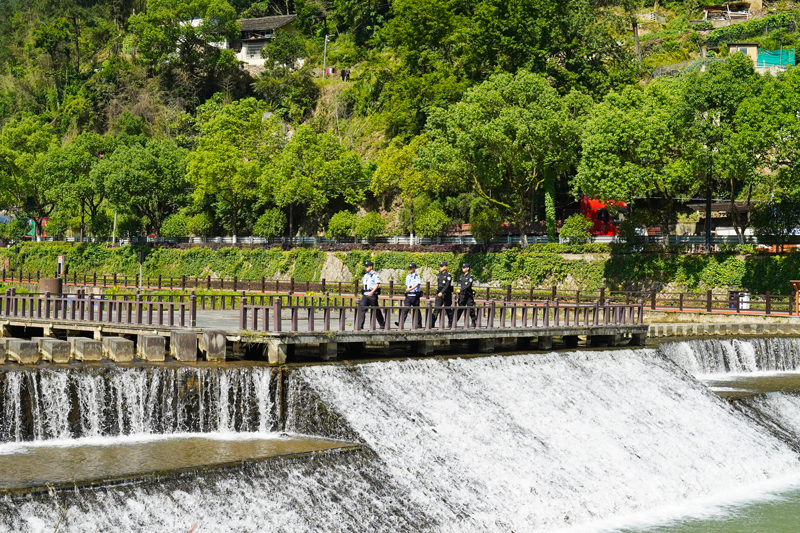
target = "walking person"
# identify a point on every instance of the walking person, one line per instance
(466, 294)
(444, 294)
(413, 293)
(371, 288)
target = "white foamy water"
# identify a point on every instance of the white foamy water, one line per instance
(544, 442)
(734, 356)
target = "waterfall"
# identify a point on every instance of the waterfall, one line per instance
(539, 442)
(64, 403)
(721, 356)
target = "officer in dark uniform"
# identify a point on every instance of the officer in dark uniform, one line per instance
(444, 294)
(371, 288)
(466, 294)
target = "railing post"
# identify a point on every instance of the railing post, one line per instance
(193, 309)
(489, 319)
(94, 279)
(47, 305)
(183, 282)
(680, 302)
(235, 283)
(768, 303)
(554, 293)
(115, 279)
(391, 288)
(90, 303)
(427, 289)
(243, 313)
(652, 299)
(208, 282)
(602, 295)
(508, 293)
(263, 284)
(291, 286)
(138, 308)
(709, 300)
(277, 315)
(738, 304)
(159, 282)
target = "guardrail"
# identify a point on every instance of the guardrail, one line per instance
(320, 316)
(87, 308)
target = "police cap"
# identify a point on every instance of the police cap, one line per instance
(465, 265)
(443, 264)
(367, 263)
(412, 265)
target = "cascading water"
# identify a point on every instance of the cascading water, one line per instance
(514, 443)
(721, 356)
(65, 403)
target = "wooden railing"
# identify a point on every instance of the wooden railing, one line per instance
(86, 308)
(322, 315)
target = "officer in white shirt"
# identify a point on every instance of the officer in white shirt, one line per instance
(370, 289)
(413, 293)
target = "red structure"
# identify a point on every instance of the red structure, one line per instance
(595, 210)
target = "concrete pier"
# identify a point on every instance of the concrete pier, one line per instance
(328, 351)
(118, 349)
(213, 344)
(84, 349)
(55, 351)
(151, 347)
(23, 352)
(183, 345)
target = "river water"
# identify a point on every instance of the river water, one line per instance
(602, 440)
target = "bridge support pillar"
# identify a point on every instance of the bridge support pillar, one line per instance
(183, 345)
(328, 351)
(213, 344)
(23, 352)
(55, 350)
(84, 349)
(523, 343)
(571, 341)
(151, 347)
(614, 340)
(638, 339)
(5, 330)
(486, 345)
(544, 343)
(423, 347)
(118, 349)
(277, 352)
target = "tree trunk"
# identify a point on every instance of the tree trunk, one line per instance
(550, 205)
(83, 210)
(523, 232)
(637, 46)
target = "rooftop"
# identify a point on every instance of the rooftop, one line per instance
(266, 23)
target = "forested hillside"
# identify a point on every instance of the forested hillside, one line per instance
(475, 111)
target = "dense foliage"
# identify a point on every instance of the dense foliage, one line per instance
(131, 115)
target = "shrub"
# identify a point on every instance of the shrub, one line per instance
(370, 226)
(200, 225)
(432, 222)
(270, 224)
(175, 226)
(486, 224)
(342, 224)
(575, 229)
(17, 229)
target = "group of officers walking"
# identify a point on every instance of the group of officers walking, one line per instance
(413, 293)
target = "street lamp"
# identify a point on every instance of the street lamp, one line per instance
(325, 57)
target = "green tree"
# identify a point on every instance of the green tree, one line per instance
(313, 169)
(370, 226)
(575, 229)
(175, 225)
(508, 137)
(433, 222)
(27, 184)
(237, 141)
(271, 224)
(149, 181)
(485, 225)
(342, 224)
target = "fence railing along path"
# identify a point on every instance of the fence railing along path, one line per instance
(708, 301)
(319, 315)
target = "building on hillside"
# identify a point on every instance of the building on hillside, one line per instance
(729, 13)
(772, 61)
(256, 34)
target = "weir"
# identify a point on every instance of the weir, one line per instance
(496, 443)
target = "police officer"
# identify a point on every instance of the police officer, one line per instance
(371, 288)
(413, 292)
(466, 294)
(444, 294)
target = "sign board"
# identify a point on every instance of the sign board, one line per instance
(60, 267)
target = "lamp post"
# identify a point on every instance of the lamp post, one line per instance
(325, 58)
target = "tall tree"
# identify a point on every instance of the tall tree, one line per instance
(237, 141)
(508, 136)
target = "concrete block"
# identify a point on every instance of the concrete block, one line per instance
(277, 352)
(328, 351)
(423, 348)
(486, 345)
(55, 350)
(213, 344)
(38, 341)
(84, 349)
(151, 347)
(118, 349)
(638, 339)
(2, 355)
(23, 352)
(614, 340)
(183, 345)
(544, 343)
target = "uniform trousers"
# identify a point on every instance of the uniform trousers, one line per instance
(370, 301)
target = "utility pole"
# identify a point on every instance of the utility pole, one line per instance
(708, 206)
(325, 58)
